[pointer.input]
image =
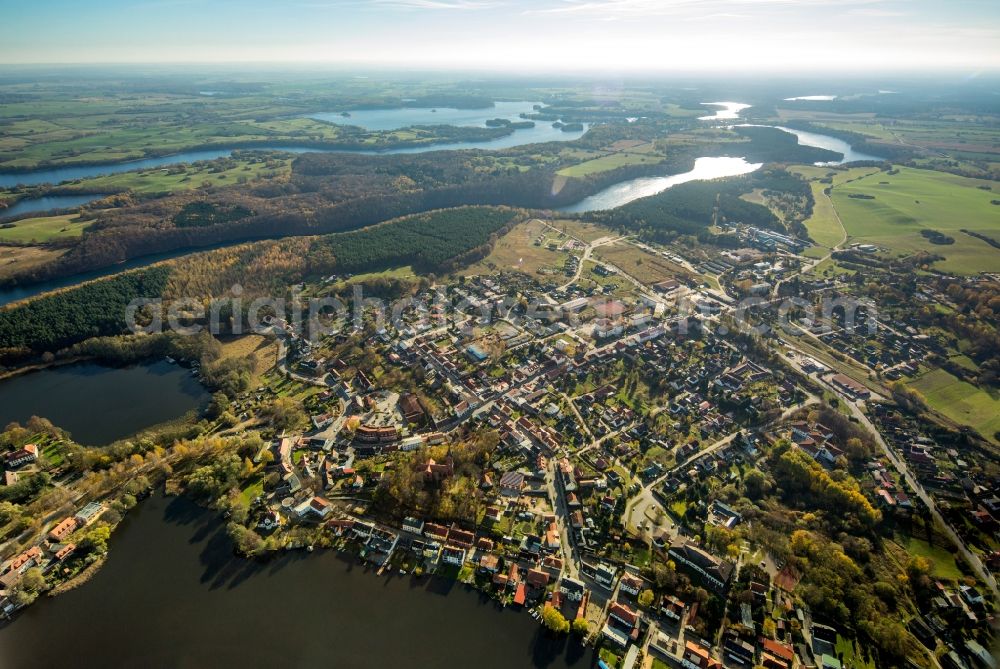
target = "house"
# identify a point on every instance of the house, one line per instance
(434, 471)
(537, 578)
(453, 556)
(624, 615)
(24, 561)
(630, 583)
(723, 515)
(412, 409)
(22, 456)
(270, 521)
(461, 538)
(972, 596)
(489, 563)
(714, 571)
(776, 655)
(413, 525)
(315, 507)
(341, 526)
(697, 656)
(64, 552)
(435, 531)
(850, 387)
(65, 528)
(672, 609)
(605, 574)
(511, 484)
(572, 589)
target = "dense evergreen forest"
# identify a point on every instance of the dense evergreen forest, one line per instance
(91, 310)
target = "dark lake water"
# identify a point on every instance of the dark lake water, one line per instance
(43, 204)
(173, 595)
(99, 404)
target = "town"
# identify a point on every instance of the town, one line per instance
(601, 445)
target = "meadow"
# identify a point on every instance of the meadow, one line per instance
(959, 401)
(823, 224)
(222, 172)
(896, 207)
(43, 229)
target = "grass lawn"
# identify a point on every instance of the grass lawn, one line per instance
(43, 229)
(944, 561)
(962, 402)
(254, 487)
(856, 660)
(824, 225)
(915, 200)
(612, 659)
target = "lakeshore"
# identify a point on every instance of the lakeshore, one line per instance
(209, 603)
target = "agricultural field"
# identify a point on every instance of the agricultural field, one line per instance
(891, 210)
(609, 162)
(824, 224)
(224, 172)
(43, 229)
(959, 401)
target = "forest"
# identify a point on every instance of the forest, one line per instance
(90, 310)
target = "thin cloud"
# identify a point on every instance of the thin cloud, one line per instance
(436, 4)
(645, 8)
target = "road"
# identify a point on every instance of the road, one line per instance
(971, 558)
(857, 410)
(645, 499)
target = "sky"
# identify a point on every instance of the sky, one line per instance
(512, 35)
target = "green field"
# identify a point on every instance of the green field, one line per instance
(823, 225)
(944, 561)
(914, 200)
(43, 229)
(962, 402)
(225, 172)
(609, 162)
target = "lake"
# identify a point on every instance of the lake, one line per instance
(172, 594)
(97, 404)
(812, 98)
(402, 117)
(633, 189)
(824, 142)
(374, 119)
(729, 110)
(43, 204)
